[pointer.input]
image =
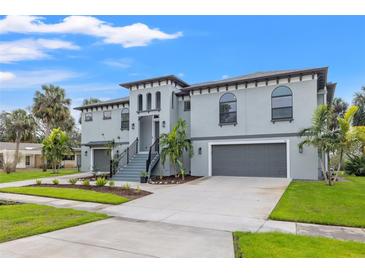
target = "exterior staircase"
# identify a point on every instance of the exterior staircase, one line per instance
(131, 172)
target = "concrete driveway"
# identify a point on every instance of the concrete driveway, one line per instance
(219, 202)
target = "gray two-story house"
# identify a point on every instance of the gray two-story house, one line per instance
(241, 126)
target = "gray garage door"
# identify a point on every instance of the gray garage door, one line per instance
(257, 160)
(101, 160)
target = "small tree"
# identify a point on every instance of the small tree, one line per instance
(348, 135)
(321, 136)
(174, 144)
(55, 146)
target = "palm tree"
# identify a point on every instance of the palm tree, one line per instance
(51, 107)
(359, 100)
(339, 108)
(348, 135)
(320, 135)
(89, 101)
(18, 125)
(174, 144)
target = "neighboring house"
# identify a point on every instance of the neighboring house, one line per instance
(241, 126)
(30, 155)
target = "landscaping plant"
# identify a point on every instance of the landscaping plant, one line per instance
(111, 183)
(355, 165)
(174, 144)
(126, 186)
(101, 181)
(38, 182)
(73, 181)
(55, 182)
(85, 182)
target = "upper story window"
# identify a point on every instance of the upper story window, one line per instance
(158, 100)
(125, 119)
(282, 104)
(186, 105)
(88, 117)
(149, 101)
(228, 109)
(140, 102)
(107, 115)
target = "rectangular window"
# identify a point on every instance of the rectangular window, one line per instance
(27, 160)
(282, 113)
(107, 115)
(88, 117)
(186, 105)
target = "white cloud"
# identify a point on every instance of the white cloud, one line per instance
(31, 49)
(123, 63)
(225, 77)
(36, 78)
(133, 35)
(6, 76)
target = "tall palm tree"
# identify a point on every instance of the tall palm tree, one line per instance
(359, 100)
(51, 107)
(89, 101)
(339, 108)
(348, 135)
(18, 125)
(320, 135)
(174, 144)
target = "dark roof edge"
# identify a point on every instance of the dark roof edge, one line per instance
(266, 77)
(160, 78)
(104, 103)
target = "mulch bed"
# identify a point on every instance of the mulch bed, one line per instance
(171, 180)
(131, 193)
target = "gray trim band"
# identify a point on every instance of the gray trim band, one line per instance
(245, 136)
(116, 143)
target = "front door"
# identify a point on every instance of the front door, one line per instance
(145, 133)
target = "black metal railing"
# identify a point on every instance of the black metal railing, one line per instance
(120, 160)
(153, 154)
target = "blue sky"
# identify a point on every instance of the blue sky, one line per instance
(90, 56)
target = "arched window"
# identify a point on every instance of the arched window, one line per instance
(158, 100)
(140, 102)
(149, 101)
(282, 104)
(228, 109)
(125, 119)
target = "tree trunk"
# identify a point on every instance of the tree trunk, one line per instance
(16, 155)
(324, 171)
(338, 167)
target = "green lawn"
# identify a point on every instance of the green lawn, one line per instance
(28, 174)
(68, 194)
(315, 202)
(280, 245)
(22, 220)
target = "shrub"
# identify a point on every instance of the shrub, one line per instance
(72, 181)
(101, 181)
(355, 165)
(38, 182)
(126, 186)
(111, 183)
(138, 189)
(55, 182)
(85, 182)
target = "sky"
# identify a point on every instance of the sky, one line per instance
(89, 56)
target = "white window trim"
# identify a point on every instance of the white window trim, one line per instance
(210, 144)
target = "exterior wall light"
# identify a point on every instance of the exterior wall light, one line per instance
(200, 151)
(163, 124)
(85, 153)
(132, 125)
(300, 149)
